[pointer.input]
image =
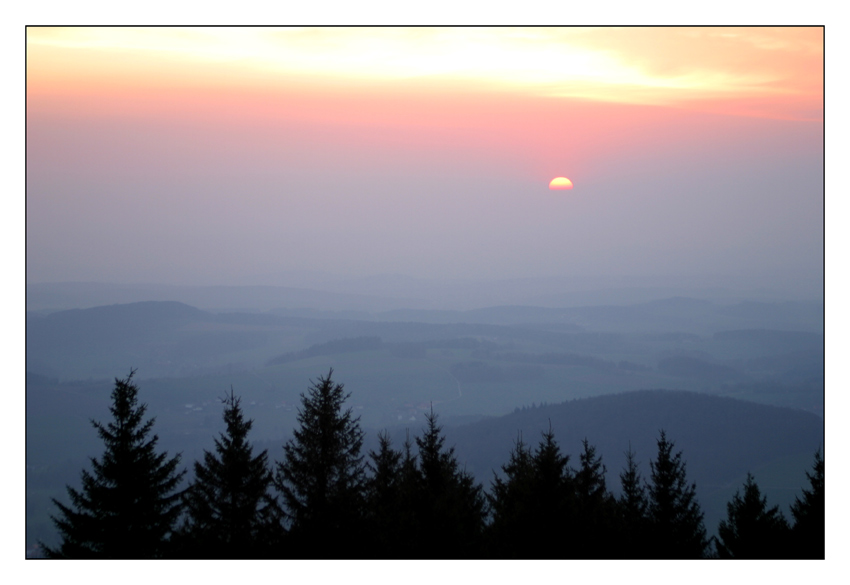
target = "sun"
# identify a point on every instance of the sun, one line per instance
(560, 183)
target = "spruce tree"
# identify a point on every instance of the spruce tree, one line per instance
(386, 506)
(410, 497)
(451, 510)
(385, 473)
(632, 505)
(590, 476)
(511, 501)
(322, 476)
(534, 505)
(809, 513)
(676, 521)
(554, 505)
(230, 512)
(751, 530)
(595, 508)
(128, 504)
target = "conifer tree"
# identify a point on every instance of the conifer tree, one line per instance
(555, 501)
(385, 472)
(632, 506)
(322, 475)
(230, 512)
(128, 504)
(387, 511)
(590, 476)
(676, 520)
(751, 530)
(534, 506)
(511, 501)
(595, 511)
(410, 497)
(809, 514)
(451, 510)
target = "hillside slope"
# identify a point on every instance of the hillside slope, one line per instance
(721, 440)
(721, 437)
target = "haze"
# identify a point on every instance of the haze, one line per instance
(237, 156)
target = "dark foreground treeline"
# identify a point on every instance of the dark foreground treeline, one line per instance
(325, 499)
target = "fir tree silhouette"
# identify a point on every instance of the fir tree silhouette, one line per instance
(451, 506)
(676, 521)
(128, 503)
(633, 515)
(751, 530)
(595, 508)
(809, 513)
(555, 500)
(387, 507)
(230, 511)
(534, 506)
(511, 503)
(322, 476)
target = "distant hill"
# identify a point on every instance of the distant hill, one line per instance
(109, 340)
(107, 325)
(699, 316)
(67, 295)
(721, 439)
(560, 319)
(143, 315)
(690, 367)
(774, 340)
(404, 299)
(332, 347)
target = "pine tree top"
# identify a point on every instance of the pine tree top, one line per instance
(128, 503)
(322, 475)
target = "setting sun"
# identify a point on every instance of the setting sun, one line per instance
(560, 183)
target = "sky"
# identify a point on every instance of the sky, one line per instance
(235, 155)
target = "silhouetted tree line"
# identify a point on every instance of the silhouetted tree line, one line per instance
(325, 499)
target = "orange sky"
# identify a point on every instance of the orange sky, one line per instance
(399, 134)
(476, 88)
(774, 72)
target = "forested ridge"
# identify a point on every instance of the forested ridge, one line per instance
(326, 498)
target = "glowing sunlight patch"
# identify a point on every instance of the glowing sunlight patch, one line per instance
(560, 183)
(643, 65)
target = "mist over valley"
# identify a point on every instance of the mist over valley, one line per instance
(717, 375)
